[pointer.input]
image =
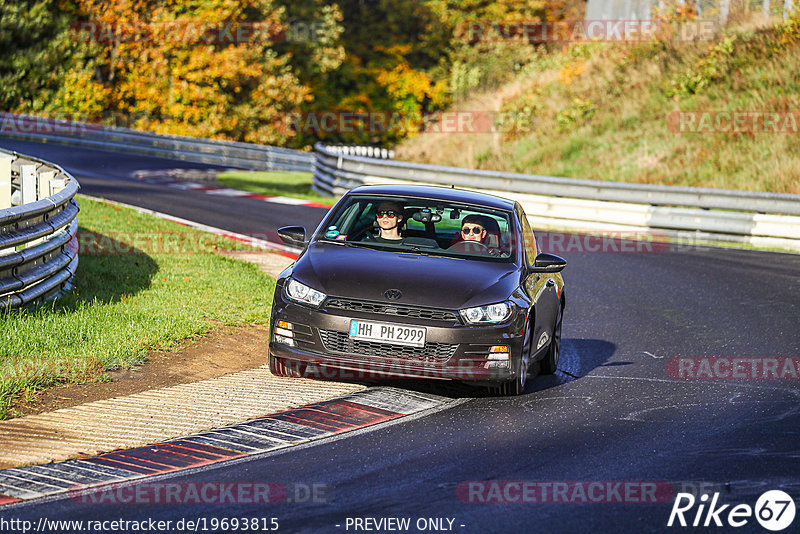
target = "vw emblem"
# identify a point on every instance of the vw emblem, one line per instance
(393, 294)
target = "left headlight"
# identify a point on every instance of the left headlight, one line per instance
(489, 314)
(302, 293)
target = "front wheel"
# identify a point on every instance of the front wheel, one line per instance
(517, 386)
(550, 361)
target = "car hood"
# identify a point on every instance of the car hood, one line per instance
(431, 281)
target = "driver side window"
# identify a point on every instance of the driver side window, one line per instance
(356, 220)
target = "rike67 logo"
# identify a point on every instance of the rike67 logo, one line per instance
(774, 510)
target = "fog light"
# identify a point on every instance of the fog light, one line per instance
(499, 352)
(284, 332)
(285, 340)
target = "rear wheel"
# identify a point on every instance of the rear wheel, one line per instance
(550, 361)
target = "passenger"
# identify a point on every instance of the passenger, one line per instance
(389, 217)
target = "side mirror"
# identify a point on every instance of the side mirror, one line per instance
(548, 263)
(294, 236)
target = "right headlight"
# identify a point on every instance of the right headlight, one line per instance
(302, 293)
(489, 314)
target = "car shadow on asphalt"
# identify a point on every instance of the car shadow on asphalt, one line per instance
(578, 358)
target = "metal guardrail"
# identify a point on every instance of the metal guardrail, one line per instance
(339, 173)
(38, 252)
(708, 10)
(195, 149)
(763, 219)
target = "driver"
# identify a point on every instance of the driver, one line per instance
(473, 228)
(473, 236)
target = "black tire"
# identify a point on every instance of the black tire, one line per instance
(550, 361)
(517, 386)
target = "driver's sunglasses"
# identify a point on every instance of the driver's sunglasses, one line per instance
(387, 213)
(475, 230)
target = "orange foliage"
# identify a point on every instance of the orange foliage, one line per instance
(174, 69)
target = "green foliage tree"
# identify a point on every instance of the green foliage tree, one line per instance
(151, 65)
(37, 52)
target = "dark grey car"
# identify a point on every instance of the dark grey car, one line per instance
(435, 303)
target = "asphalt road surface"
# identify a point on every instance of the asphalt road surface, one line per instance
(111, 175)
(650, 400)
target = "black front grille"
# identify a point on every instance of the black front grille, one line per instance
(342, 343)
(392, 309)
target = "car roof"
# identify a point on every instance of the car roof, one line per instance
(437, 193)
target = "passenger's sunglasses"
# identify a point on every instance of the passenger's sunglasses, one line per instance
(475, 230)
(388, 213)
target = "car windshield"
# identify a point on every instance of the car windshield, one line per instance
(422, 226)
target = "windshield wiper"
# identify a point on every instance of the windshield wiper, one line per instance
(342, 243)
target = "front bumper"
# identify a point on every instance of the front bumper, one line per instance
(322, 347)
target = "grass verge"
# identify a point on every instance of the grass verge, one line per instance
(142, 284)
(611, 111)
(284, 184)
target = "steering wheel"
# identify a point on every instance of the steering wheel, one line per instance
(470, 246)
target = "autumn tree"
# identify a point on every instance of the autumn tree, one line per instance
(38, 52)
(243, 69)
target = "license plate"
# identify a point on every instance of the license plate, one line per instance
(387, 333)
